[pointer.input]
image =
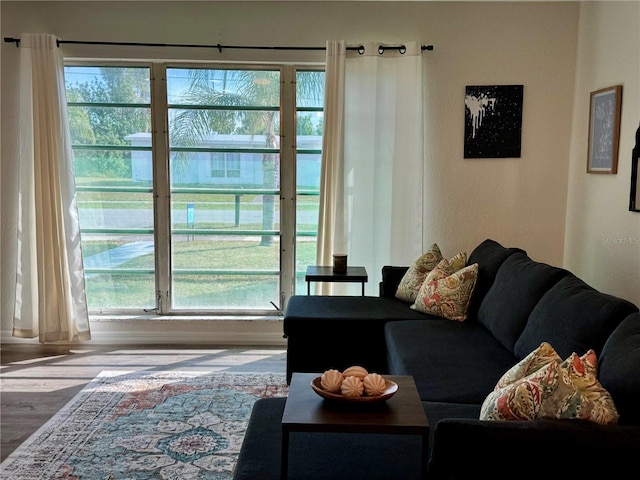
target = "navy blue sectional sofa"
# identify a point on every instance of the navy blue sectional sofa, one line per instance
(517, 304)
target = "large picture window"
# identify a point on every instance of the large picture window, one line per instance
(198, 193)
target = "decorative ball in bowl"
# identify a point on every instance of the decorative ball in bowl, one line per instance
(354, 384)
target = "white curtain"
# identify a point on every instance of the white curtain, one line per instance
(372, 166)
(332, 227)
(50, 292)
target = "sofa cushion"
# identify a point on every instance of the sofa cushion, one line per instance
(519, 284)
(391, 277)
(573, 317)
(323, 313)
(414, 277)
(489, 255)
(619, 369)
(552, 449)
(437, 411)
(326, 332)
(447, 290)
(456, 362)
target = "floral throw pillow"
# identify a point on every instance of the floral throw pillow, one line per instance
(543, 386)
(593, 402)
(523, 399)
(457, 262)
(414, 277)
(540, 357)
(446, 292)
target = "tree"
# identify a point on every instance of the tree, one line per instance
(227, 96)
(304, 126)
(107, 123)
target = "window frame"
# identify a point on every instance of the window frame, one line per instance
(160, 151)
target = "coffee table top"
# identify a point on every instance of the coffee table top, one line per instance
(305, 410)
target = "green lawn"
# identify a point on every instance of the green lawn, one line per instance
(240, 285)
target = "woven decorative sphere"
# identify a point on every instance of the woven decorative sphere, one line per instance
(331, 381)
(374, 385)
(352, 387)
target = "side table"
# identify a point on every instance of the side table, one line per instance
(317, 273)
(306, 411)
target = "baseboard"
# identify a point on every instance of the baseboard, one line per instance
(227, 332)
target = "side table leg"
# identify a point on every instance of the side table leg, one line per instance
(284, 455)
(308, 288)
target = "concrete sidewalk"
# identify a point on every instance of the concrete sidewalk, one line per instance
(117, 256)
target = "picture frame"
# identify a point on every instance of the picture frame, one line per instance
(493, 121)
(634, 193)
(604, 130)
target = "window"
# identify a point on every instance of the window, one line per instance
(225, 165)
(203, 217)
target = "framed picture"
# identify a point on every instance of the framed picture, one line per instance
(604, 130)
(493, 121)
(634, 201)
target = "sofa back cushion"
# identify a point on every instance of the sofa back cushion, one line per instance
(391, 278)
(619, 369)
(519, 284)
(489, 255)
(573, 317)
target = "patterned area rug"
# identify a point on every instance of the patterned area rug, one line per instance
(146, 425)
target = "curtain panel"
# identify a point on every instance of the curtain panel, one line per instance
(50, 291)
(372, 170)
(332, 226)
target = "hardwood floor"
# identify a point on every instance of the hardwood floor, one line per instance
(38, 380)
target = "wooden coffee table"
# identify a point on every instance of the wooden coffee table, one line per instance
(306, 411)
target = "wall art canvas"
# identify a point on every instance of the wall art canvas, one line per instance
(604, 130)
(493, 121)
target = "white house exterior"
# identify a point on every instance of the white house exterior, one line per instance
(233, 168)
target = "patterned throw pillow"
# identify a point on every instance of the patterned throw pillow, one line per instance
(543, 386)
(414, 277)
(596, 402)
(457, 262)
(523, 399)
(540, 357)
(446, 292)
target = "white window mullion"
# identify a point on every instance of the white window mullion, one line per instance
(162, 193)
(287, 184)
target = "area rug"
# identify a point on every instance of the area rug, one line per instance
(146, 425)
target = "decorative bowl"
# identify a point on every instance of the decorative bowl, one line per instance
(390, 390)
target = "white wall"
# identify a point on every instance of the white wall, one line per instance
(521, 201)
(518, 202)
(602, 242)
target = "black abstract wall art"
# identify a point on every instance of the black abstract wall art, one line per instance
(493, 121)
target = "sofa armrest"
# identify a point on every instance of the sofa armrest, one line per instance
(466, 448)
(391, 277)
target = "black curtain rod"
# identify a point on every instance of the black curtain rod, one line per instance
(360, 49)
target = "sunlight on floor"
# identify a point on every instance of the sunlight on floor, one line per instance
(40, 385)
(77, 367)
(32, 361)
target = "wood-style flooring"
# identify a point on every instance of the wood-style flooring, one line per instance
(38, 380)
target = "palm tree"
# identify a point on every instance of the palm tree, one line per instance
(232, 104)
